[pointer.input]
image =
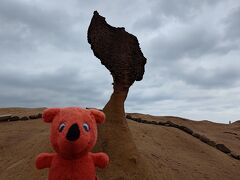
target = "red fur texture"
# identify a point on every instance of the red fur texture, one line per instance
(73, 135)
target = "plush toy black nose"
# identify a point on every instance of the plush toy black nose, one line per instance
(73, 133)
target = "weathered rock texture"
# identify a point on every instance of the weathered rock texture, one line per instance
(120, 53)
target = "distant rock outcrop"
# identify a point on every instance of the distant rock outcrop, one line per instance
(10, 117)
(120, 53)
(203, 138)
(238, 121)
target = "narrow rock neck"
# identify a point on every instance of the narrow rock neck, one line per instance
(115, 106)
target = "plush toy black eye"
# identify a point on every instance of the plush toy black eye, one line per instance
(86, 127)
(61, 127)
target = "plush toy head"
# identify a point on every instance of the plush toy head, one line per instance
(74, 130)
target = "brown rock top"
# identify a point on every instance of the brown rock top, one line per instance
(118, 51)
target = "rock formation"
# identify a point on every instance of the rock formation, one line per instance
(203, 138)
(120, 53)
(10, 117)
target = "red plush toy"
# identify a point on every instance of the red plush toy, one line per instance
(73, 135)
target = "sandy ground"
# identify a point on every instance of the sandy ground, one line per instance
(174, 154)
(170, 153)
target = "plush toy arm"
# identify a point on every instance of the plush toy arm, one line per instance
(101, 160)
(44, 160)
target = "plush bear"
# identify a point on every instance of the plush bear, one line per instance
(73, 135)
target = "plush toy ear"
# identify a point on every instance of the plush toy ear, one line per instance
(50, 113)
(98, 115)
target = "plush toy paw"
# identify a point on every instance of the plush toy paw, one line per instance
(104, 160)
(44, 160)
(101, 159)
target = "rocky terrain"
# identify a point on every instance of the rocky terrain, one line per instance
(172, 147)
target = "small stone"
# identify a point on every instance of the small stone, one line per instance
(133, 159)
(211, 143)
(144, 121)
(196, 135)
(223, 148)
(14, 118)
(138, 119)
(204, 139)
(155, 122)
(234, 155)
(24, 118)
(5, 117)
(33, 117)
(171, 124)
(128, 116)
(161, 123)
(186, 129)
(133, 119)
(39, 115)
(148, 122)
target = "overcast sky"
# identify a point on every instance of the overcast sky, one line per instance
(192, 49)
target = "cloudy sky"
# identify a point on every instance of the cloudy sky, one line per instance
(192, 47)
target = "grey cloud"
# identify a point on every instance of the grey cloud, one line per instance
(233, 25)
(63, 86)
(32, 26)
(200, 75)
(215, 78)
(170, 91)
(184, 9)
(218, 105)
(148, 22)
(192, 42)
(186, 38)
(163, 11)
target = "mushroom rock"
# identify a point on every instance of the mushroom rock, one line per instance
(120, 53)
